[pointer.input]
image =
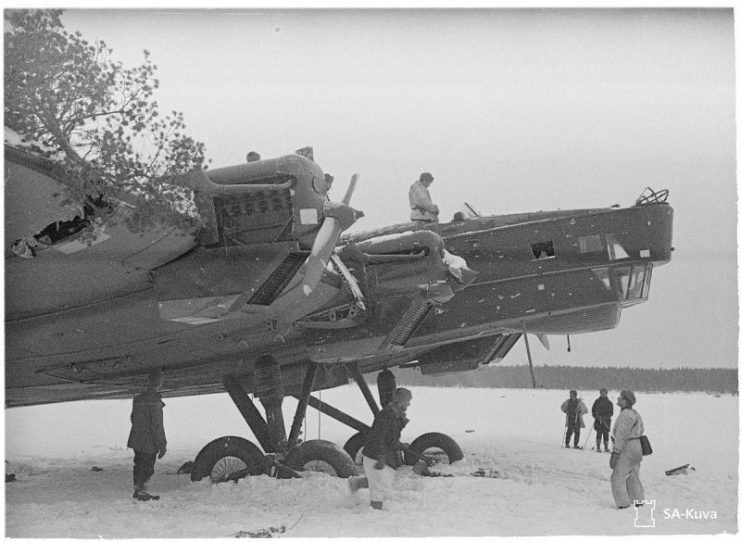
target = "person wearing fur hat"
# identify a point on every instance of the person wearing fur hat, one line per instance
(382, 450)
(423, 210)
(626, 457)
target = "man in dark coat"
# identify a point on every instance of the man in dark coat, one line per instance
(602, 414)
(147, 436)
(382, 450)
(574, 409)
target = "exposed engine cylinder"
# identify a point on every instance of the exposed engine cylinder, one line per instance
(386, 387)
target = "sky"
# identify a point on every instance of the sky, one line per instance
(511, 110)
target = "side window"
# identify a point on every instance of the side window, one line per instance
(543, 250)
(635, 290)
(622, 280)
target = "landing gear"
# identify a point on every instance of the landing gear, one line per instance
(435, 447)
(231, 458)
(322, 456)
(227, 458)
(354, 446)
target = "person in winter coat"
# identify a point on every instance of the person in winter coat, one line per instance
(147, 436)
(602, 414)
(423, 210)
(574, 409)
(382, 450)
(626, 457)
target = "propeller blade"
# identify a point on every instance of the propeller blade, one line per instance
(326, 239)
(350, 189)
(324, 244)
(543, 338)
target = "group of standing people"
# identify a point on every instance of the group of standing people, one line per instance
(626, 455)
(602, 411)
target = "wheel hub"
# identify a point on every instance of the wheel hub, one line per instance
(225, 467)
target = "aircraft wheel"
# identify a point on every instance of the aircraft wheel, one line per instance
(354, 446)
(438, 446)
(226, 456)
(321, 456)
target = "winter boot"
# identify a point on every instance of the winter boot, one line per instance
(377, 505)
(142, 495)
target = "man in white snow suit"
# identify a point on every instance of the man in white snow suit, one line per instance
(602, 413)
(574, 409)
(382, 449)
(627, 454)
(147, 436)
(424, 212)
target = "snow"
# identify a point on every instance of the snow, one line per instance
(515, 435)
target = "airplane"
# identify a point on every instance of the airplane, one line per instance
(267, 298)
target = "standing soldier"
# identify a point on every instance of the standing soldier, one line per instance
(147, 437)
(602, 414)
(423, 210)
(574, 409)
(627, 453)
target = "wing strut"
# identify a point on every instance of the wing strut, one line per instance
(529, 356)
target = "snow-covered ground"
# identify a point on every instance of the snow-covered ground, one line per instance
(538, 488)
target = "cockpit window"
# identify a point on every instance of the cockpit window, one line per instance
(631, 283)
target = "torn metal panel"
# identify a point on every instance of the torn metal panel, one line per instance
(32, 202)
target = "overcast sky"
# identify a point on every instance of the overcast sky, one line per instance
(511, 111)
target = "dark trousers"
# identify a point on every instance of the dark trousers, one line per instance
(603, 433)
(576, 431)
(143, 468)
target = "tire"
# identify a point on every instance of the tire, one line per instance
(438, 446)
(322, 456)
(225, 456)
(354, 446)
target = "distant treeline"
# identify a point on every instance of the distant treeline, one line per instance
(557, 377)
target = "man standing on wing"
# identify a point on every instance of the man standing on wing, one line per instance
(382, 450)
(423, 211)
(147, 436)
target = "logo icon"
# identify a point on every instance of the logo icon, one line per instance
(644, 513)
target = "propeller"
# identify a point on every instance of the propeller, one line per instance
(337, 218)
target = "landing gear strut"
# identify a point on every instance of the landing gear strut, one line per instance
(232, 457)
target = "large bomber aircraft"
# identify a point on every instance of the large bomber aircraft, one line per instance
(267, 298)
